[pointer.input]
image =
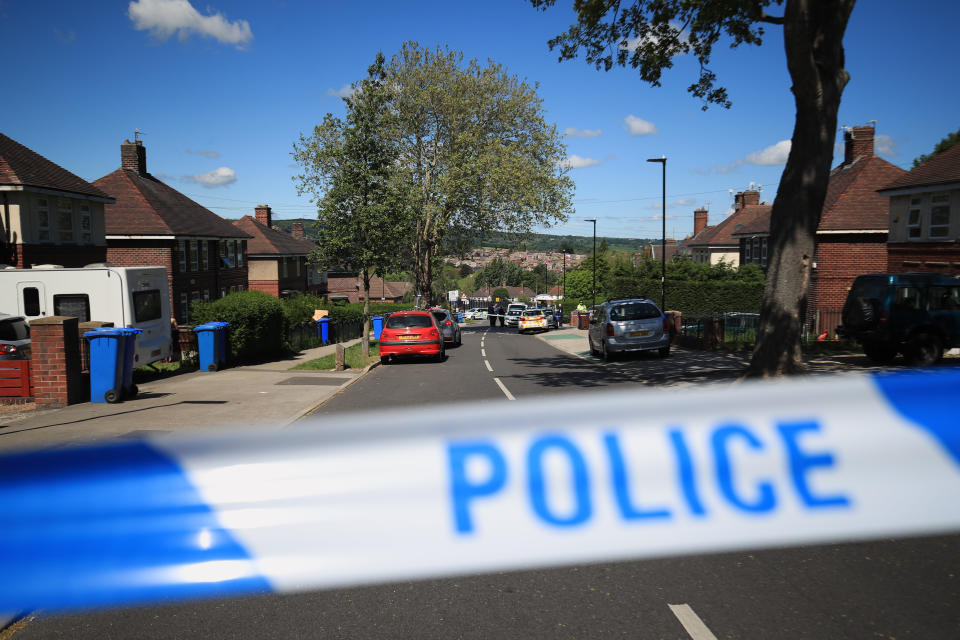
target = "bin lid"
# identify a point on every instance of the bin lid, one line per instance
(206, 326)
(104, 331)
(218, 324)
(130, 331)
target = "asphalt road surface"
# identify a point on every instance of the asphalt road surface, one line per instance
(878, 589)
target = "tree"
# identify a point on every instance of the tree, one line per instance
(649, 35)
(476, 147)
(351, 170)
(941, 146)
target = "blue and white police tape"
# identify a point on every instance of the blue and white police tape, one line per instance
(578, 479)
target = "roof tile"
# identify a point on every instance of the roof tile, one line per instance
(20, 166)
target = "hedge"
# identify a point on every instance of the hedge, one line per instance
(258, 326)
(696, 299)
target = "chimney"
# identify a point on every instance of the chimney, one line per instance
(699, 220)
(133, 156)
(751, 197)
(296, 230)
(738, 202)
(858, 143)
(263, 215)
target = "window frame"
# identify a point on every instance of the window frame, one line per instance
(939, 203)
(65, 212)
(205, 255)
(194, 256)
(182, 255)
(915, 227)
(43, 220)
(84, 219)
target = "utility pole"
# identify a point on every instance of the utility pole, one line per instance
(594, 221)
(663, 241)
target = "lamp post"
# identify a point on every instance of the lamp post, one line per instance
(594, 221)
(663, 241)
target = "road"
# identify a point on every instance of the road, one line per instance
(878, 589)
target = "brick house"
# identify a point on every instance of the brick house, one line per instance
(722, 242)
(349, 288)
(154, 224)
(47, 214)
(276, 260)
(924, 216)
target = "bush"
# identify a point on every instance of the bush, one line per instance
(258, 325)
(697, 299)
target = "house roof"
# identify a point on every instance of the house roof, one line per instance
(20, 166)
(852, 201)
(723, 233)
(942, 168)
(378, 287)
(271, 242)
(146, 206)
(755, 220)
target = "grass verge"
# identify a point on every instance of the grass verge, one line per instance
(353, 358)
(162, 369)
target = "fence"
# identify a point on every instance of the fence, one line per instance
(307, 335)
(734, 329)
(825, 321)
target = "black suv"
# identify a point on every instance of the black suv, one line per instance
(916, 314)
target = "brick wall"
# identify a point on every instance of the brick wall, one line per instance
(26, 255)
(144, 253)
(55, 369)
(935, 257)
(840, 259)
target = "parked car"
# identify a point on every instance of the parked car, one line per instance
(478, 313)
(512, 317)
(14, 338)
(916, 314)
(619, 326)
(411, 333)
(448, 325)
(550, 315)
(531, 320)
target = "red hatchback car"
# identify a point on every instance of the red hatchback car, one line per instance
(411, 333)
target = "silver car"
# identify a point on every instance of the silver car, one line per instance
(448, 326)
(14, 338)
(618, 326)
(512, 317)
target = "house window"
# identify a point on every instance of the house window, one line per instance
(241, 249)
(299, 269)
(184, 308)
(914, 219)
(940, 215)
(206, 295)
(763, 252)
(746, 251)
(64, 220)
(231, 253)
(86, 230)
(205, 254)
(194, 256)
(43, 220)
(182, 255)
(283, 262)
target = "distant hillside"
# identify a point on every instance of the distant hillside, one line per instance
(500, 240)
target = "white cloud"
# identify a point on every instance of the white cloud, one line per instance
(885, 145)
(164, 18)
(573, 161)
(343, 92)
(639, 127)
(217, 178)
(772, 155)
(686, 202)
(632, 44)
(573, 132)
(205, 154)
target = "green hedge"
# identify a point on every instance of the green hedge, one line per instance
(696, 299)
(258, 325)
(300, 309)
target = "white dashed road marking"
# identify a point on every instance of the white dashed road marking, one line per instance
(509, 395)
(691, 621)
(489, 368)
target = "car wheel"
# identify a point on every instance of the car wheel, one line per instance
(593, 350)
(879, 352)
(925, 349)
(664, 352)
(384, 359)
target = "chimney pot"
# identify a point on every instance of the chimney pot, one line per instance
(857, 143)
(133, 156)
(264, 215)
(751, 197)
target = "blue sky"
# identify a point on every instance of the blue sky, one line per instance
(222, 89)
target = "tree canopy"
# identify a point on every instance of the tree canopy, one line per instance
(945, 144)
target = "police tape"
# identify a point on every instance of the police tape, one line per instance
(399, 496)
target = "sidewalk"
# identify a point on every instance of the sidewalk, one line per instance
(568, 339)
(265, 395)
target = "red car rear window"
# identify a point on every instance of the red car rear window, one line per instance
(418, 321)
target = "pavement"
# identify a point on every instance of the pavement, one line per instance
(267, 395)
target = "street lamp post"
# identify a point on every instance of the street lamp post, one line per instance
(594, 221)
(663, 239)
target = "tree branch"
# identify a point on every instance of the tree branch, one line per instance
(765, 17)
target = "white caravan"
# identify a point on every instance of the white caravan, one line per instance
(126, 296)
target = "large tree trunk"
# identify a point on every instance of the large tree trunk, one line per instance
(813, 38)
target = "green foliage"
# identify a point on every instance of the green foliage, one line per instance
(258, 325)
(943, 145)
(500, 293)
(545, 242)
(499, 272)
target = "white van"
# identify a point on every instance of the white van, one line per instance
(126, 296)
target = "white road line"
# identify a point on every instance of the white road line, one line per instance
(489, 368)
(690, 621)
(509, 395)
(483, 352)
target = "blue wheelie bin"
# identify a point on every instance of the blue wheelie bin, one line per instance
(220, 357)
(323, 328)
(129, 349)
(107, 354)
(207, 346)
(377, 326)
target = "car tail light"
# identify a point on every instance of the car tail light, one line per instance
(609, 329)
(447, 322)
(883, 316)
(8, 349)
